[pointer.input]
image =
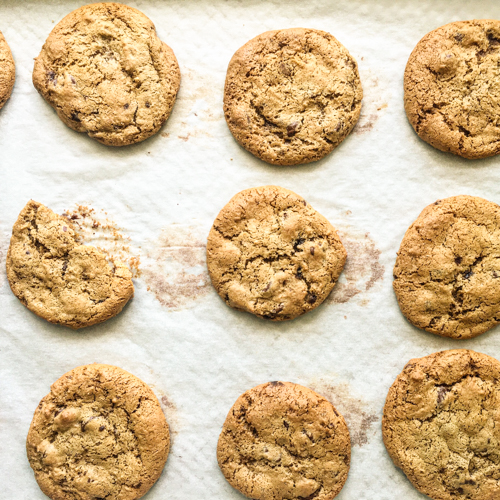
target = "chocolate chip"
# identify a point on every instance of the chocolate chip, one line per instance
(311, 298)
(275, 383)
(73, 81)
(52, 77)
(297, 243)
(28, 252)
(299, 275)
(286, 424)
(494, 41)
(65, 228)
(442, 392)
(101, 428)
(468, 275)
(495, 274)
(339, 126)
(65, 266)
(312, 250)
(292, 129)
(459, 37)
(125, 106)
(148, 105)
(284, 69)
(74, 117)
(304, 202)
(458, 260)
(73, 217)
(268, 286)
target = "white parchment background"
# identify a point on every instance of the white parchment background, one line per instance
(164, 194)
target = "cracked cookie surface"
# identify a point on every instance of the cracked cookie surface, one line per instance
(7, 71)
(452, 88)
(292, 96)
(283, 441)
(99, 433)
(107, 74)
(440, 425)
(271, 254)
(59, 279)
(447, 273)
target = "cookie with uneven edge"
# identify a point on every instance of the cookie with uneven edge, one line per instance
(452, 87)
(59, 279)
(447, 273)
(99, 433)
(271, 254)
(107, 74)
(440, 425)
(292, 96)
(283, 441)
(7, 71)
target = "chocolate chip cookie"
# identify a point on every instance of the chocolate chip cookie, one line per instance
(292, 96)
(447, 273)
(440, 425)
(7, 71)
(107, 74)
(58, 278)
(283, 441)
(99, 433)
(452, 88)
(271, 254)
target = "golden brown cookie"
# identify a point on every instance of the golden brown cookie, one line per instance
(447, 273)
(441, 425)
(283, 441)
(271, 254)
(7, 71)
(59, 279)
(292, 96)
(452, 88)
(106, 73)
(99, 433)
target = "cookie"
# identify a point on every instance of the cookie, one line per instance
(440, 425)
(7, 71)
(292, 96)
(107, 74)
(452, 86)
(271, 254)
(447, 273)
(99, 433)
(283, 441)
(59, 279)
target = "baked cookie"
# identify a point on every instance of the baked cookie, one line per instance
(271, 254)
(7, 71)
(440, 425)
(99, 433)
(292, 96)
(452, 88)
(283, 441)
(447, 273)
(59, 279)
(106, 73)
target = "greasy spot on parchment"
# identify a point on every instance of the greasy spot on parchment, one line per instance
(358, 414)
(373, 104)
(175, 271)
(95, 227)
(362, 268)
(169, 409)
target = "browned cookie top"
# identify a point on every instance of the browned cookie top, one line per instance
(106, 73)
(283, 441)
(59, 279)
(452, 88)
(271, 254)
(99, 434)
(7, 71)
(292, 96)
(441, 425)
(447, 273)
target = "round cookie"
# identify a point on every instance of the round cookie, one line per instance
(99, 433)
(106, 73)
(440, 425)
(447, 273)
(59, 279)
(7, 71)
(292, 96)
(271, 254)
(452, 86)
(283, 441)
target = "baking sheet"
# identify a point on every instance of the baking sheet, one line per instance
(157, 201)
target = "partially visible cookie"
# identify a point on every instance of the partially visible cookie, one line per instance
(271, 254)
(99, 433)
(283, 441)
(59, 279)
(292, 96)
(107, 74)
(452, 88)
(441, 425)
(447, 273)
(7, 71)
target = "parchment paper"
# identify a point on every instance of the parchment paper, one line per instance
(163, 195)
